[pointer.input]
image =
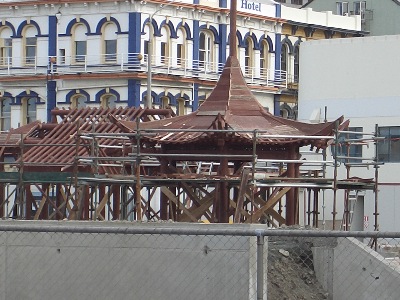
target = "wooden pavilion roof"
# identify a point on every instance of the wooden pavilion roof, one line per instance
(232, 106)
(53, 146)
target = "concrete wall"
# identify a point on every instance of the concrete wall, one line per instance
(122, 266)
(351, 270)
(357, 78)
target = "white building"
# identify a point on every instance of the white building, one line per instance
(357, 78)
(90, 53)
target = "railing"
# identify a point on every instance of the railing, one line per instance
(134, 62)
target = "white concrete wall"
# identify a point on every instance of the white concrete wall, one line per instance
(357, 78)
(351, 270)
(325, 18)
(126, 266)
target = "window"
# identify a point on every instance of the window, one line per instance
(30, 50)
(110, 42)
(342, 8)
(5, 113)
(180, 111)
(205, 50)
(146, 43)
(164, 102)
(389, 148)
(108, 101)
(165, 45)
(296, 63)
(5, 50)
(80, 47)
(345, 148)
(359, 9)
(248, 57)
(264, 59)
(78, 101)
(29, 110)
(80, 43)
(181, 48)
(297, 2)
(284, 60)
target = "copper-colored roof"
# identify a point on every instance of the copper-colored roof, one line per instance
(57, 149)
(232, 106)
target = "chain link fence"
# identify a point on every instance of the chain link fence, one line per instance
(121, 260)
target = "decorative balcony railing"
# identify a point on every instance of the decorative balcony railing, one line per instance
(134, 62)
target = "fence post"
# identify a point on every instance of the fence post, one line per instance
(260, 267)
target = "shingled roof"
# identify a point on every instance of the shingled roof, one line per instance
(232, 106)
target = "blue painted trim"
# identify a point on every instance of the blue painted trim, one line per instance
(31, 23)
(68, 31)
(297, 43)
(133, 93)
(289, 44)
(278, 10)
(223, 29)
(196, 35)
(9, 25)
(30, 95)
(104, 21)
(134, 35)
(195, 105)
(171, 28)
(269, 42)
(73, 93)
(104, 92)
(277, 106)
(187, 29)
(156, 100)
(51, 98)
(155, 26)
(223, 3)
(196, 1)
(213, 30)
(52, 36)
(8, 95)
(168, 95)
(278, 51)
(241, 43)
(254, 39)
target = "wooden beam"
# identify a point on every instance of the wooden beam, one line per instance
(269, 203)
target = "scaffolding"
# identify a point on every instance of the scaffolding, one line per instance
(112, 176)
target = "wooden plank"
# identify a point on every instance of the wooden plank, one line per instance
(41, 205)
(241, 195)
(172, 197)
(197, 212)
(269, 204)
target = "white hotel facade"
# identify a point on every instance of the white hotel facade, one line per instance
(94, 53)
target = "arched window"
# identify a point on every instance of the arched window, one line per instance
(5, 113)
(165, 45)
(78, 101)
(80, 43)
(29, 110)
(249, 57)
(29, 41)
(284, 60)
(206, 50)
(5, 45)
(180, 110)
(109, 35)
(264, 59)
(181, 47)
(145, 40)
(296, 63)
(165, 102)
(108, 101)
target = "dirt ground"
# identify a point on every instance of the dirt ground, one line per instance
(290, 270)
